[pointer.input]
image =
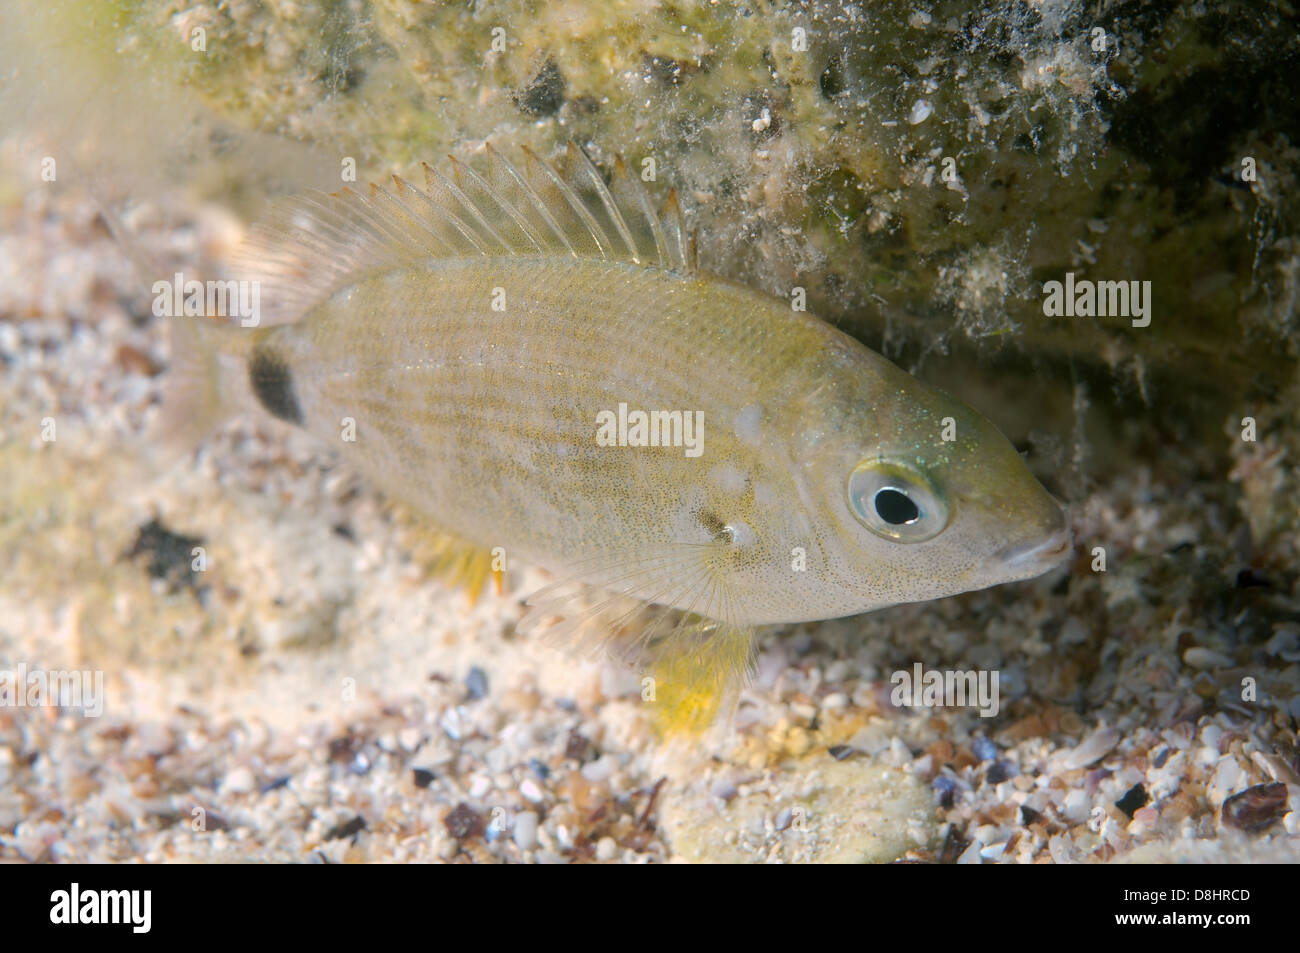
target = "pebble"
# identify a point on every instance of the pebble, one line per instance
(1228, 776)
(837, 671)
(1076, 806)
(530, 791)
(798, 741)
(238, 781)
(476, 683)
(452, 723)
(835, 701)
(422, 777)
(984, 748)
(1093, 748)
(602, 769)
(606, 849)
(525, 831)
(921, 110)
(1133, 800)
(463, 822)
(1256, 808)
(1199, 657)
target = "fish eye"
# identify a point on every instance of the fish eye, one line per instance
(895, 507)
(895, 502)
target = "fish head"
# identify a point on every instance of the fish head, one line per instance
(925, 496)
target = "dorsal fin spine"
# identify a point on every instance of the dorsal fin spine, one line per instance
(438, 211)
(514, 214)
(472, 209)
(321, 242)
(538, 205)
(579, 158)
(628, 184)
(575, 203)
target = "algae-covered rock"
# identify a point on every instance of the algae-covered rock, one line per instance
(920, 169)
(817, 810)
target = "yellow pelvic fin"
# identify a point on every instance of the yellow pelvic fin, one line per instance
(697, 675)
(698, 660)
(447, 556)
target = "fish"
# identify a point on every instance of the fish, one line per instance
(529, 357)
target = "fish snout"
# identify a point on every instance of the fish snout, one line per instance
(1045, 551)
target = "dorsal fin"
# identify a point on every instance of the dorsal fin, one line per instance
(317, 243)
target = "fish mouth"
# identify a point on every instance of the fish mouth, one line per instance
(1040, 553)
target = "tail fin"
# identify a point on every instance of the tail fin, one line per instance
(192, 404)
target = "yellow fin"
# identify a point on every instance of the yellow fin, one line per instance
(698, 660)
(447, 556)
(698, 673)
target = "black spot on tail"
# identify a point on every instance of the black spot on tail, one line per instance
(273, 384)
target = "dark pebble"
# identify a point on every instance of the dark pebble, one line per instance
(422, 777)
(998, 772)
(945, 787)
(840, 752)
(347, 829)
(539, 768)
(1134, 799)
(1250, 579)
(277, 783)
(343, 748)
(476, 683)
(170, 556)
(464, 822)
(1028, 815)
(1257, 808)
(578, 747)
(545, 94)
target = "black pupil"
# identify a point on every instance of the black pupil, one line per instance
(895, 507)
